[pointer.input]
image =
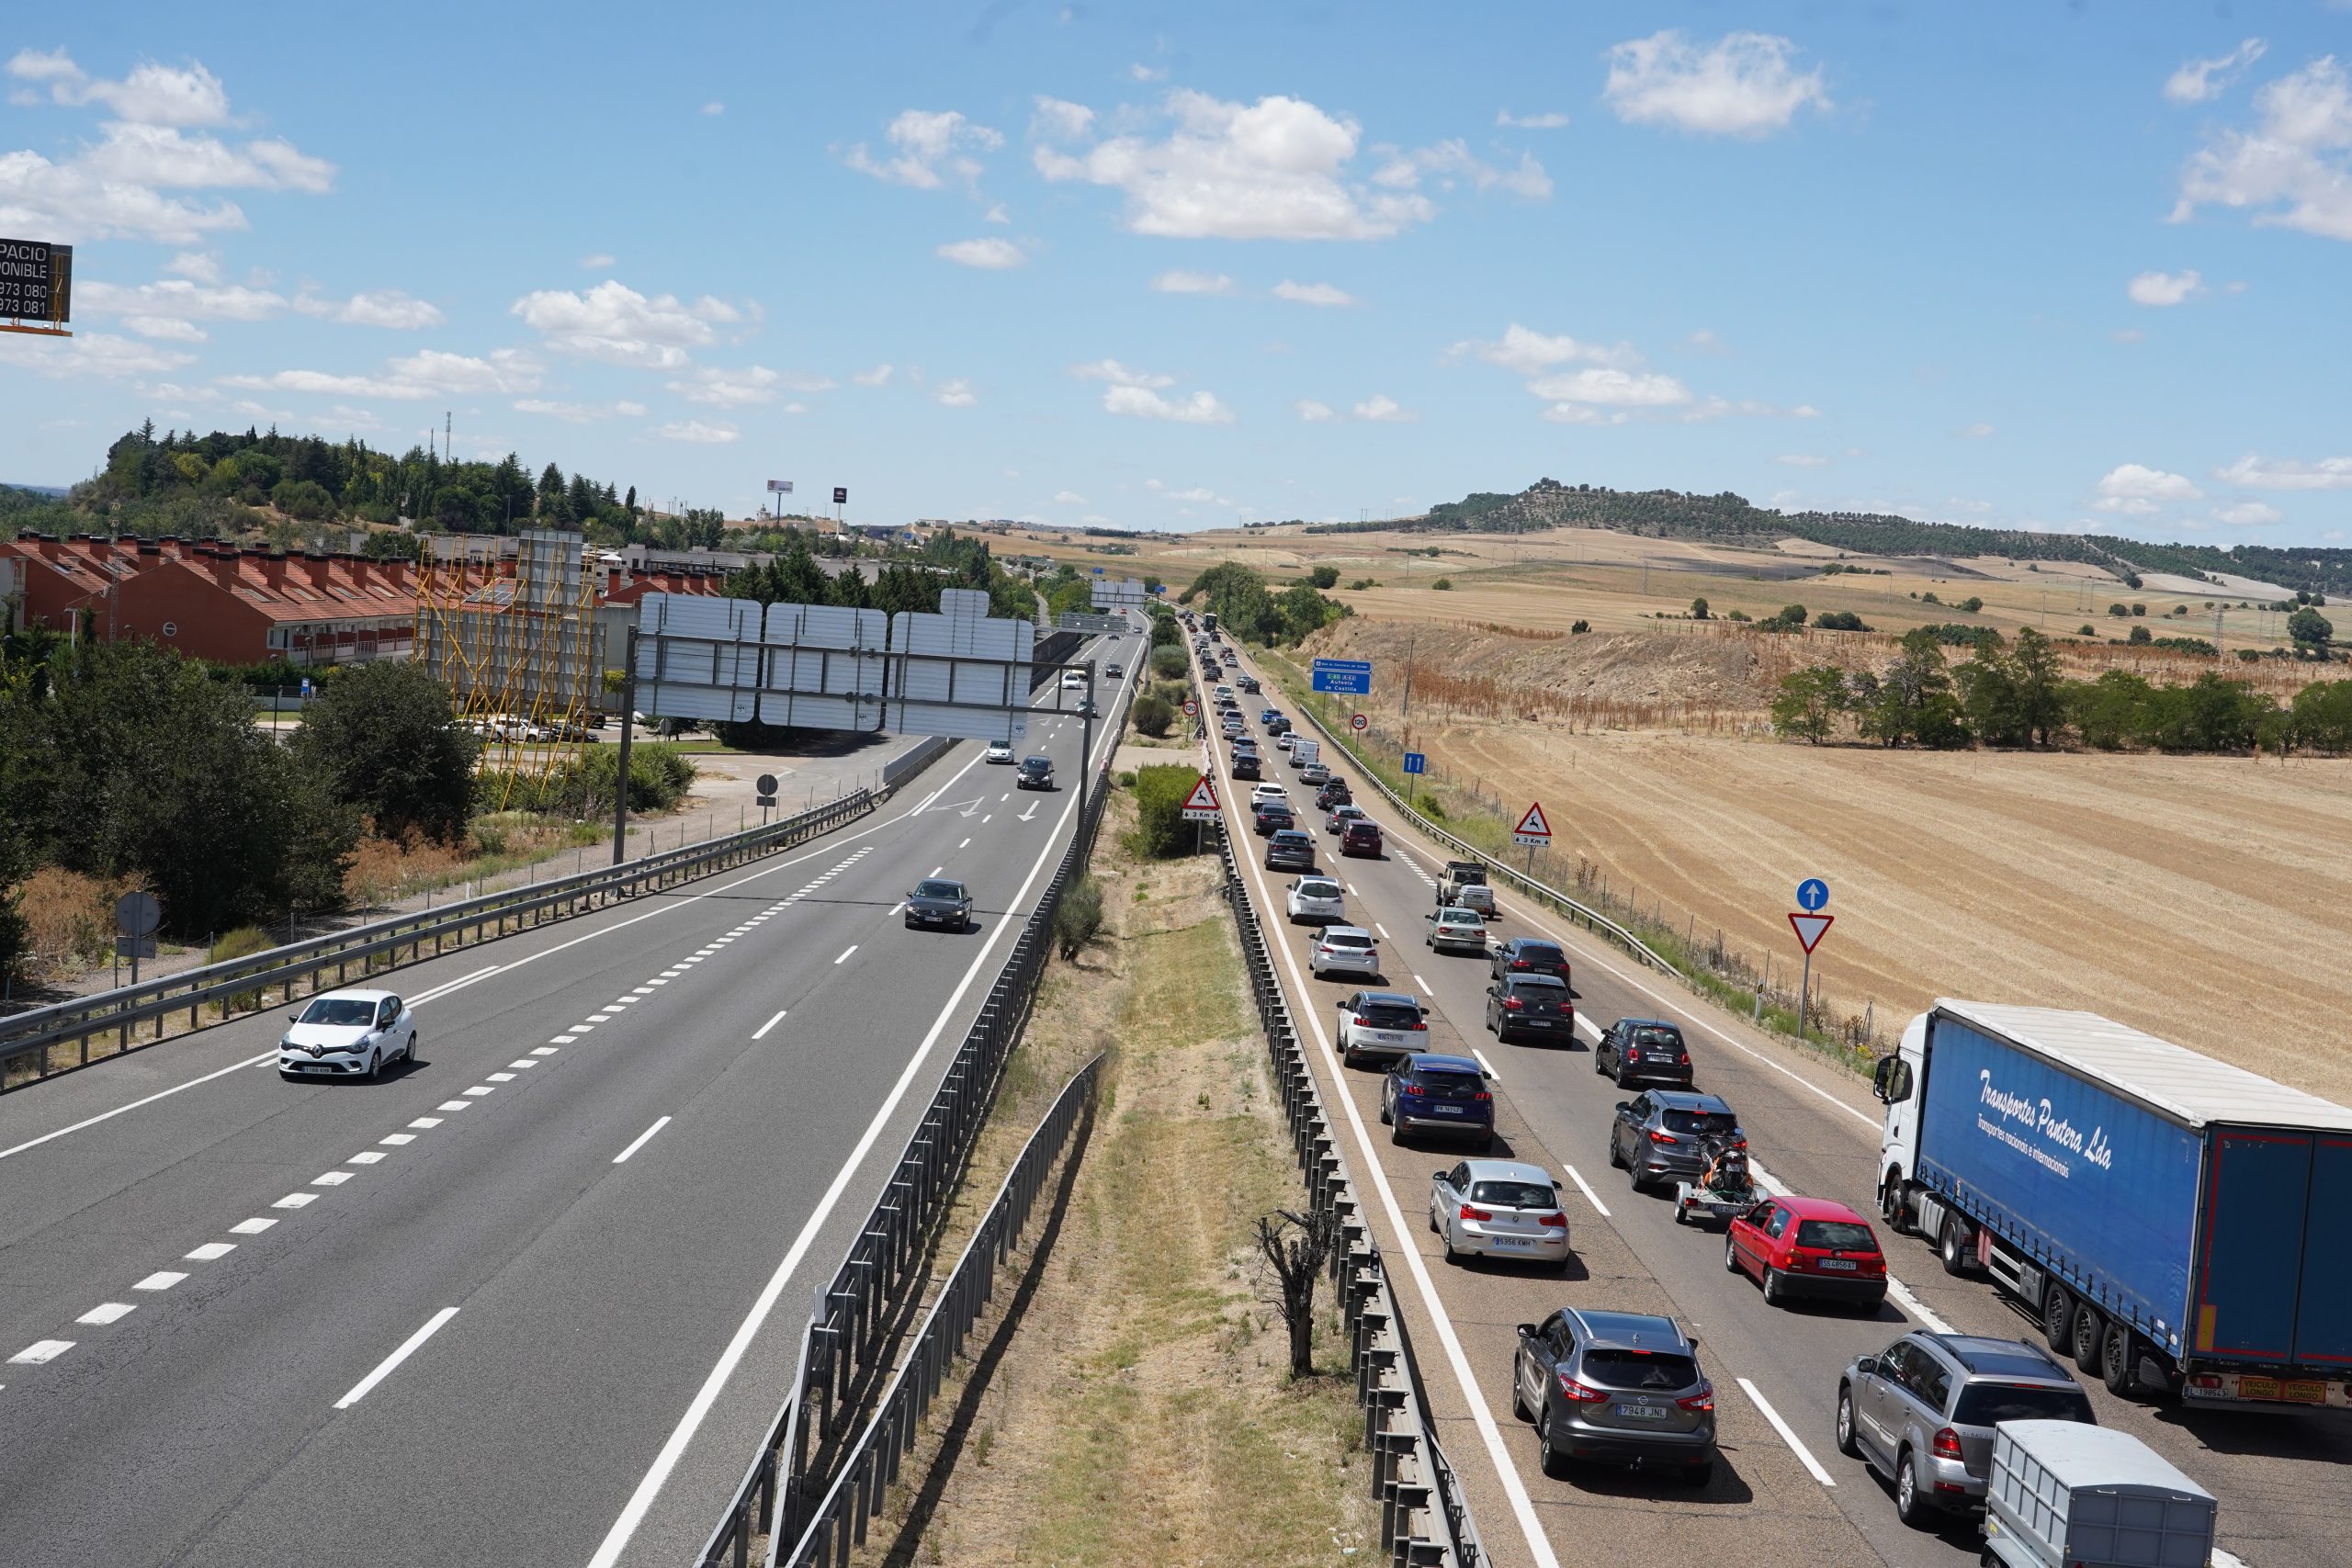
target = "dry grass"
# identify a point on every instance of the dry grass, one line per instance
(71, 918)
(1138, 1412)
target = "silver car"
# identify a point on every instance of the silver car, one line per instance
(1499, 1208)
(1314, 901)
(1381, 1025)
(1344, 950)
(1922, 1411)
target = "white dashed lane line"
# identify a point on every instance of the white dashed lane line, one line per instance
(109, 1311)
(844, 957)
(760, 1032)
(1788, 1435)
(385, 1368)
(639, 1142)
(162, 1280)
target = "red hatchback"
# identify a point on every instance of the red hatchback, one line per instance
(1808, 1246)
(1360, 838)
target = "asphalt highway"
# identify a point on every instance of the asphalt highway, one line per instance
(535, 1298)
(1782, 1493)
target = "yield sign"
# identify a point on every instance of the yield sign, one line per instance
(1532, 829)
(1809, 929)
(1201, 804)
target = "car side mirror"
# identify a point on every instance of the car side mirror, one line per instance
(1527, 1331)
(1624, 1105)
(294, 1017)
(1868, 1366)
(1437, 1176)
(1558, 1186)
(1488, 1076)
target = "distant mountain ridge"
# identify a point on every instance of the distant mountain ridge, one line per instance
(1728, 517)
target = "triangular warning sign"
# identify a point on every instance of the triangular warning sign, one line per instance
(1532, 826)
(1809, 928)
(1204, 797)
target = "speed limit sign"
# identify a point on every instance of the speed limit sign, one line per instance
(1191, 707)
(1358, 721)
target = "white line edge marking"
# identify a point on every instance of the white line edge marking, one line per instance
(640, 1141)
(640, 1501)
(1903, 1297)
(1586, 1188)
(1424, 985)
(1486, 1063)
(1377, 926)
(384, 1369)
(164, 1094)
(760, 1032)
(1788, 1435)
(844, 957)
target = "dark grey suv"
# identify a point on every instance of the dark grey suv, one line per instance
(1660, 1135)
(1922, 1412)
(1620, 1386)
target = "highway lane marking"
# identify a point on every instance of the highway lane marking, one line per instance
(937, 869)
(108, 1312)
(1486, 1063)
(254, 1226)
(500, 1078)
(1029, 815)
(541, 1051)
(384, 1369)
(437, 992)
(291, 1200)
(1788, 1434)
(453, 1105)
(212, 1249)
(39, 1352)
(760, 1032)
(964, 845)
(331, 1179)
(428, 1122)
(1586, 1188)
(270, 1054)
(1424, 985)
(162, 1280)
(989, 818)
(480, 1089)
(1899, 1292)
(366, 1157)
(853, 948)
(640, 1141)
(640, 1501)
(522, 1062)
(1377, 926)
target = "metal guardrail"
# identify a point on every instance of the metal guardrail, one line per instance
(47, 1041)
(862, 1479)
(1411, 1477)
(1593, 919)
(847, 1339)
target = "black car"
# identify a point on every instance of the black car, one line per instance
(1113, 670)
(1643, 1050)
(1245, 765)
(1247, 682)
(1036, 773)
(939, 903)
(1538, 1006)
(1336, 793)
(1659, 1134)
(1290, 850)
(1425, 1092)
(1529, 955)
(1273, 817)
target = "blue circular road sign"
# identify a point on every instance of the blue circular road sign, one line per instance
(1812, 894)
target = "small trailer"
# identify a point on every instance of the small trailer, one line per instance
(2062, 1494)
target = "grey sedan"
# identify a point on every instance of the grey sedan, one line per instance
(940, 905)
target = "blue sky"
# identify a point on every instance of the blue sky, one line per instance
(2022, 265)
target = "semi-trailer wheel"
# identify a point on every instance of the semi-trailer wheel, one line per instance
(2090, 1332)
(2058, 1316)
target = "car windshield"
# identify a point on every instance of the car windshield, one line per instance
(1653, 1036)
(1036, 765)
(346, 1013)
(1290, 841)
(1539, 952)
(1513, 1195)
(1461, 918)
(1318, 890)
(1638, 1369)
(1989, 1404)
(939, 889)
(1346, 938)
(1837, 1236)
(1699, 1122)
(1388, 1015)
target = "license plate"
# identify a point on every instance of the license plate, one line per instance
(1447, 1109)
(1642, 1412)
(1511, 1241)
(1846, 1264)
(1540, 1022)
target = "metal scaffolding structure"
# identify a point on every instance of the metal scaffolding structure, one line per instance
(508, 626)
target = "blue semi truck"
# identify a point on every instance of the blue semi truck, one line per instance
(2177, 1224)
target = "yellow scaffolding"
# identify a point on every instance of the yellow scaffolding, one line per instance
(508, 626)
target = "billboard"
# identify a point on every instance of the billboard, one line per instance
(36, 281)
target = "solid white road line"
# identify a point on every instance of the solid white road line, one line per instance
(762, 1032)
(1787, 1436)
(622, 1157)
(456, 985)
(162, 1094)
(1586, 1188)
(361, 1389)
(640, 1501)
(1918, 1309)
(844, 957)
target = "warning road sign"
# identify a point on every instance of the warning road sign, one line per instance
(1809, 929)
(1201, 804)
(1532, 829)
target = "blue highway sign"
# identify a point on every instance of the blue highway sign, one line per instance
(1347, 677)
(1415, 762)
(1812, 893)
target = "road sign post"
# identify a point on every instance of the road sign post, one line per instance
(136, 916)
(766, 784)
(1534, 830)
(1810, 929)
(1200, 807)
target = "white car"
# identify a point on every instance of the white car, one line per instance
(1344, 950)
(998, 751)
(1386, 1025)
(1285, 739)
(1268, 790)
(1499, 1208)
(1315, 900)
(347, 1034)
(1073, 680)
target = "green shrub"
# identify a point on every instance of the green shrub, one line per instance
(1161, 789)
(1443, 584)
(1078, 918)
(1153, 713)
(1587, 625)
(241, 942)
(1360, 583)
(1167, 663)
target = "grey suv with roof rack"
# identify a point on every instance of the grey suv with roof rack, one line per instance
(1922, 1412)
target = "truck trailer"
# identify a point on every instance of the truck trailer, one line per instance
(2164, 1215)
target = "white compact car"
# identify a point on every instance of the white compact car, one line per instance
(998, 751)
(1381, 1024)
(1268, 790)
(347, 1034)
(1344, 950)
(1499, 1208)
(1315, 900)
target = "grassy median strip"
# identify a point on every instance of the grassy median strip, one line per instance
(1128, 1398)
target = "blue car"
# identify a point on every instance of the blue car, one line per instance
(1425, 1092)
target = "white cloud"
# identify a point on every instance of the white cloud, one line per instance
(713, 386)
(1119, 374)
(390, 308)
(1551, 120)
(122, 185)
(2263, 473)
(1580, 413)
(2135, 481)
(2248, 514)
(927, 148)
(2199, 80)
(1746, 408)
(1313, 294)
(169, 327)
(878, 376)
(1069, 498)
(1381, 409)
(1613, 388)
(714, 106)
(2125, 505)
(996, 214)
(957, 394)
(1527, 352)
(2127, 334)
(614, 324)
(178, 298)
(1314, 412)
(151, 95)
(2164, 287)
(1141, 402)
(1142, 73)
(1450, 162)
(1197, 493)
(598, 262)
(1977, 432)
(1743, 85)
(2294, 168)
(580, 413)
(430, 374)
(1272, 170)
(1803, 460)
(990, 255)
(1703, 340)
(1193, 283)
(699, 433)
(198, 266)
(99, 355)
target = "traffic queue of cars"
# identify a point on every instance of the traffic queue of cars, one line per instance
(1612, 1387)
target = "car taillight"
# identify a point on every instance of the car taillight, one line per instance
(1418, 1024)
(1702, 1400)
(1512, 1004)
(1470, 1213)
(1413, 1089)
(1575, 1393)
(2203, 1379)
(1947, 1444)
(1686, 1058)
(1555, 1218)
(1518, 963)
(1658, 1138)
(1363, 1023)
(1482, 1094)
